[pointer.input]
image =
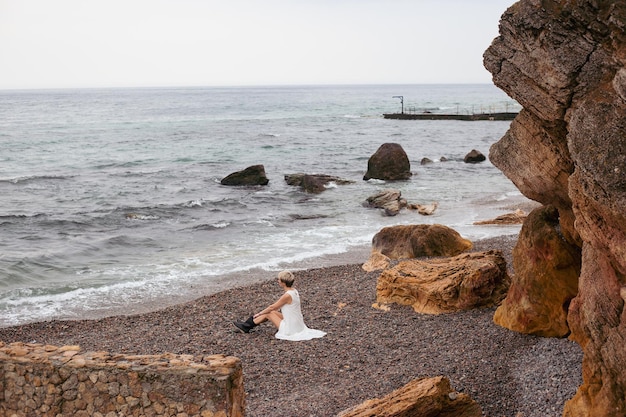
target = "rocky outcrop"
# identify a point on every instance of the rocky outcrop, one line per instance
(445, 285)
(412, 241)
(389, 162)
(474, 157)
(565, 63)
(391, 202)
(313, 183)
(423, 397)
(545, 281)
(253, 175)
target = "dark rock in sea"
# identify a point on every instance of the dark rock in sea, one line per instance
(426, 161)
(389, 162)
(474, 157)
(253, 175)
(313, 183)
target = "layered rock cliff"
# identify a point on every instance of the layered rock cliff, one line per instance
(564, 61)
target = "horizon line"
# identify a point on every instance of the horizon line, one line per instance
(190, 86)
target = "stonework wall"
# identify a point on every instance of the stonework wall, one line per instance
(45, 380)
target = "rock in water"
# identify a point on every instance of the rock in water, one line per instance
(253, 175)
(389, 162)
(474, 157)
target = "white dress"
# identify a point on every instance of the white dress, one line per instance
(292, 326)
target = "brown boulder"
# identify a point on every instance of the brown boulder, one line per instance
(423, 397)
(412, 241)
(545, 281)
(389, 162)
(253, 175)
(474, 157)
(445, 285)
(564, 62)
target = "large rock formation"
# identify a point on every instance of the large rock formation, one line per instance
(423, 397)
(564, 61)
(545, 281)
(445, 285)
(389, 162)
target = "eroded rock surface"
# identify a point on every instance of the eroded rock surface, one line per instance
(423, 397)
(445, 285)
(545, 281)
(565, 63)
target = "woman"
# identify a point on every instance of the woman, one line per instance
(285, 314)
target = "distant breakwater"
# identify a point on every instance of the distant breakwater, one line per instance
(438, 116)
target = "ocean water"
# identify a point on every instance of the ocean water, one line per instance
(111, 198)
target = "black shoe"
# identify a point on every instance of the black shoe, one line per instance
(242, 326)
(246, 326)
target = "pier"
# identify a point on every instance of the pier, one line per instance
(412, 114)
(443, 116)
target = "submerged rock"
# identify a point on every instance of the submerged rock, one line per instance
(314, 183)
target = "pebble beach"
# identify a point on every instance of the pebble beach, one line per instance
(366, 353)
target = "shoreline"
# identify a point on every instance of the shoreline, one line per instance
(366, 353)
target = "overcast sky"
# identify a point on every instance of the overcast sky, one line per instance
(118, 43)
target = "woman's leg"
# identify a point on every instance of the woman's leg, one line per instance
(274, 316)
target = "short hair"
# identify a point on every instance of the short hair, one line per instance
(286, 277)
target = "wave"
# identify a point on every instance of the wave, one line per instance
(212, 226)
(34, 178)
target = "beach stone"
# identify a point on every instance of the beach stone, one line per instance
(564, 63)
(474, 157)
(545, 281)
(252, 175)
(445, 285)
(314, 183)
(389, 200)
(424, 209)
(389, 162)
(517, 217)
(423, 397)
(412, 241)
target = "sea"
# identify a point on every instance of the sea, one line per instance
(111, 201)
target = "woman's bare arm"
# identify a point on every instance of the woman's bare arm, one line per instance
(284, 299)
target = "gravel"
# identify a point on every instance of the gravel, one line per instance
(366, 354)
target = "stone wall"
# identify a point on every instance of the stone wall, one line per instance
(45, 380)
